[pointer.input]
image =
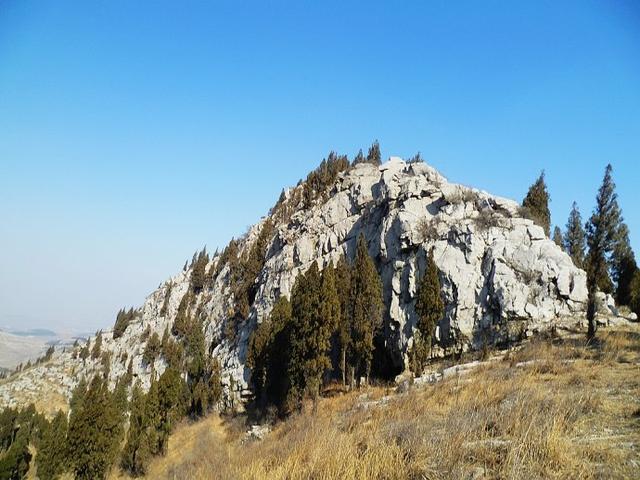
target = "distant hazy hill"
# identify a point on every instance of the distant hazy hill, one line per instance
(19, 348)
(34, 332)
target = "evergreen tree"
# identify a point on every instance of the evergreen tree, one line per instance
(537, 204)
(623, 265)
(7, 427)
(203, 376)
(105, 363)
(310, 340)
(323, 326)
(256, 260)
(77, 396)
(120, 394)
(574, 237)
(557, 237)
(634, 294)
(430, 310)
(601, 230)
(417, 158)
(167, 297)
(373, 155)
(97, 345)
(171, 405)
(49, 353)
(199, 264)
(123, 319)
(245, 274)
(165, 339)
(152, 418)
(268, 355)
(18, 430)
(366, 310)
(51, 459)
(152, 349)
(14, 463)
(359, 158)
(84, 351)
(343, 287)
(135, 454)
(95, 431)
(173, 354)
(129, 373)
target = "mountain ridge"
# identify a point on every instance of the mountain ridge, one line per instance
(502, 278)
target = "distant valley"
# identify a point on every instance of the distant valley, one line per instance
(21, 346)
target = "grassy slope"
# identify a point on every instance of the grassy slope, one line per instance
(554, 409)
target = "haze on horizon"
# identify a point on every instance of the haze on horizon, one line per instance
(133, 134)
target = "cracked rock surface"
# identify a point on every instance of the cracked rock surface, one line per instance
(502, 278)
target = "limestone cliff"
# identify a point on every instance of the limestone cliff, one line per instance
(502, 277)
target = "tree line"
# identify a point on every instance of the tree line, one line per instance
(339, 308)
(327, 331)
(122, 426)
(600, 246)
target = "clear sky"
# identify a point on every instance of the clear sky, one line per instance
(132, 133)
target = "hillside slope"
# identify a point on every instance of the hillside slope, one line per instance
(502, 278)
(554, 408)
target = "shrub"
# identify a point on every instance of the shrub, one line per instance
(487, 219)
(428, 229)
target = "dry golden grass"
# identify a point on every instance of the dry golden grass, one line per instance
(553, 409)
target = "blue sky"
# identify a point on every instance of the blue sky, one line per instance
(132, 133)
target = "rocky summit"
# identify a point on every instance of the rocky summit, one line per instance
(503, 279)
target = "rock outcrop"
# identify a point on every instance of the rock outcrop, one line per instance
(502, 278)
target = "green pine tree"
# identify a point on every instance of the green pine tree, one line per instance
(167, 296)
(268, 356)
(330, 316)
(135, 454)
(417, 158)
(95, 431)
(247, 272)
(366, 309)
(152, 349)
(634, 293)
(537, 204)
(557, 237)
(430, 310)
(199, 265)
(172, 405)
(343, 287)
(123, 319)
(14, 463)
(51, 459)
(575, 237)
(311, 336)
(97, 345)
(77, 396)
(623, 265)
(602, 230)
(373, 156)
(359, 158)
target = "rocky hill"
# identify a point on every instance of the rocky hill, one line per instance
(502, 278)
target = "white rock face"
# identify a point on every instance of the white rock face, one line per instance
(502, 277)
